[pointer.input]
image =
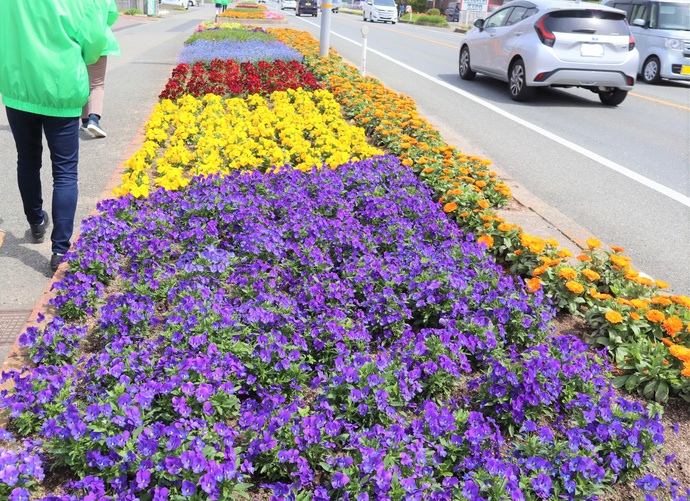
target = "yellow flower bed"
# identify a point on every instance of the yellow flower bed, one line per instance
(212, 135)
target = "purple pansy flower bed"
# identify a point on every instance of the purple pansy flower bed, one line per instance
(319, 336)
(251, 51)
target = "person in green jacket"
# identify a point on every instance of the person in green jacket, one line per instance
(45, 46)
(93, 109)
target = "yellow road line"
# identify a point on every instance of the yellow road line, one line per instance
(654, 100)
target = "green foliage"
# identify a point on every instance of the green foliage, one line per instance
(132, 12)
(433, 12)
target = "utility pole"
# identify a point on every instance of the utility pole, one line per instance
(325, 34)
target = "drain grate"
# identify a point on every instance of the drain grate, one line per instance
(11, 324)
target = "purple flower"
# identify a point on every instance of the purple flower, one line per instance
(339, 480)
(542, 486)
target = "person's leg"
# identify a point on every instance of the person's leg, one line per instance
(28, 137)
(94, 106)
(62, 135)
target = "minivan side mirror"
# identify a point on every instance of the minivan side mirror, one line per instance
(479, 23)
(638, 22)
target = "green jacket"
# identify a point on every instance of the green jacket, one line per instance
(45, 46)
(112, 48)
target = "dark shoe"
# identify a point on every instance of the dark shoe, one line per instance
(84, 124)
(55, 261)
(94, 128)
(38, 231)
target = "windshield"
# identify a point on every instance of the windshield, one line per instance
(672, 16)
(385, 3)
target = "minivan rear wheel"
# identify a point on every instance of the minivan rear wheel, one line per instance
(651, 71)
(612, 97)
(517, 83)
(465, 69)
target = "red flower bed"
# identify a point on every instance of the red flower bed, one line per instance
(230, 78)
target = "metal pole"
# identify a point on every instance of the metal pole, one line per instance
(365, 32)
(325, 42)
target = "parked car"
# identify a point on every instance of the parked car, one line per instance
(661, 30)
(180, 3)
(452, 12)
(308, 7)
(288, 4)
(336, 6)
(557, 43)
(380, 10)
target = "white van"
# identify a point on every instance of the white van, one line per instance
(662, 36)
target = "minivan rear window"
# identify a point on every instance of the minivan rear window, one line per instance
(594, 22)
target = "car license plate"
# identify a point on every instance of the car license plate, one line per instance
(592, 50)
(685, 70)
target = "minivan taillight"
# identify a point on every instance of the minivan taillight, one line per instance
(545, 35)
(631, 42)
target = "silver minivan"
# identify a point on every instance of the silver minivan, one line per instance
(662, 36)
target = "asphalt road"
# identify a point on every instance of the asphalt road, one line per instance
(621, 173)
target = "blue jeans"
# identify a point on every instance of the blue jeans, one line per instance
(62, 136)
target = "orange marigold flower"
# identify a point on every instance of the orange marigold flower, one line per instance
(539, 270)
(635, 316)
(464, 214)
(565, 253)
(567, 273)
(450, 207)
(575, 287)
(484, 204)
(480, 184)
(661, 284)
(505, 227)
(428, 170)
(407, 162)
(613, 317)
(615, 248)
(662, 300)
(591, 274)
(593, 243)
(665, 362)
(640, 304)
(486, 239)
(533, 284)
(680, 352)
(621, 261)
(672, 325)
(584, 258)
(518, 252)
(655, 316)
(681, 300)
(552, 242)
(667, 341)
(685, 372)
(643, 281)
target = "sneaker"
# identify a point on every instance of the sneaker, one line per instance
(94, 128)
(84, 124)
(55, 261)
(38, 231)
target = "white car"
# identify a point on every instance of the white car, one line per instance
(380, 10)
(557, 43)
(180, 3)
(288, 4)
